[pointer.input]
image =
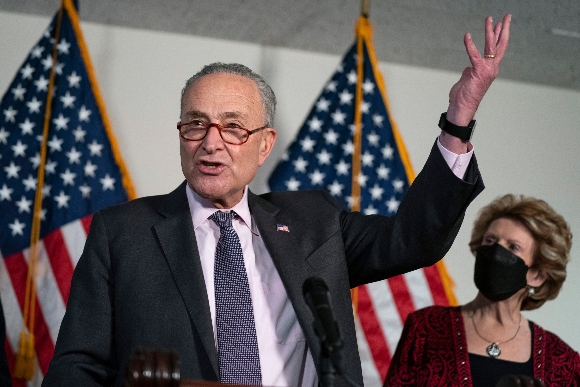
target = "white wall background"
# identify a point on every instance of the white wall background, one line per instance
(526, 139)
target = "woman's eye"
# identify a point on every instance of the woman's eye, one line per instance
(233, 125)
(488, 241)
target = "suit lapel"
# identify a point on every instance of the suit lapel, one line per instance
(286, 251)
(177, 240)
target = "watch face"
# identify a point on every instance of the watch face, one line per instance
(472, 130)
(442, 120)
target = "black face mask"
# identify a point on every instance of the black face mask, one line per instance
(499, 273)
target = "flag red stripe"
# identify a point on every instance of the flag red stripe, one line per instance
(42, 341)
(60, 261)
(401, 296)
(373, 332)
(436, 286)
(17, 270)
(86, 221)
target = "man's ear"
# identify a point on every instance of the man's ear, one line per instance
(267, 144)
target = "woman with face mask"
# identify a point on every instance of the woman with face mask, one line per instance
(521, 247)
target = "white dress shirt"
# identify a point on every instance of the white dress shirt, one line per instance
(285, 359)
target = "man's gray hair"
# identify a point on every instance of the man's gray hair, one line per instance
(266, 92)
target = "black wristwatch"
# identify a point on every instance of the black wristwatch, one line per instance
(463, 132)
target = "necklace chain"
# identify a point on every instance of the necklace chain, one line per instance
(493, 349)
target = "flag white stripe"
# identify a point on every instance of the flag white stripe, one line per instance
(371, 375)
(74, 236)
(47, 291)
(419, 288)
(387, 313)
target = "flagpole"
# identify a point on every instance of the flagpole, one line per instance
(24, 367)
(362, 26)
(365, 5)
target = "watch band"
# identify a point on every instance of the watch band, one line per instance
(463, 132)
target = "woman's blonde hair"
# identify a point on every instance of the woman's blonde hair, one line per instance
(551, 233)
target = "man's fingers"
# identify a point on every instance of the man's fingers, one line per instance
(472, 51)
(504, 36)
(490, 37)
(497, 31)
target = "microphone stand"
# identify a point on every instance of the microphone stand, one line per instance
(327, 370)
(317, 297)
(330, 367)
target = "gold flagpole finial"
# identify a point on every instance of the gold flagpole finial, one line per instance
(365, 5)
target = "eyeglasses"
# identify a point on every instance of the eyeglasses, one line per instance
(196, 130)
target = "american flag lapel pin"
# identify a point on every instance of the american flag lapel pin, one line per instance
(282, 227)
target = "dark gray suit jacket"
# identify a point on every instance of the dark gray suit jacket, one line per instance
(139, 281)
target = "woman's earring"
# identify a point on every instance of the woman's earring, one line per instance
(531, 291)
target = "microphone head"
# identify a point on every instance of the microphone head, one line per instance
(317, 296)
(314, 284)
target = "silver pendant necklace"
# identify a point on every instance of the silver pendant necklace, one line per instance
(493, 349)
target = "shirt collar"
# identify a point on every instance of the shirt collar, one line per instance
(201, 209)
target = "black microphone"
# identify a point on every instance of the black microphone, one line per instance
(317, 297)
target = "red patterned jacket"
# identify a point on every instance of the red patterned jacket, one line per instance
(432, 351)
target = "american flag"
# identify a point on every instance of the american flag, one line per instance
(329, 154)
(282, 227)
(83, 173)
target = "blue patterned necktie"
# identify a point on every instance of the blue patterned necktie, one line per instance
(239, 359)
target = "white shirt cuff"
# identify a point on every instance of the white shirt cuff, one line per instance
(457, 163)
